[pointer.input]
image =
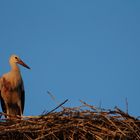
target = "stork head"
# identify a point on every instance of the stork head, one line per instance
(14, 59)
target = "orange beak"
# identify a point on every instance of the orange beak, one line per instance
(23, 64)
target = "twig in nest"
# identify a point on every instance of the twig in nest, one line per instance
(53, 98)
(54, 108)
(126, 102)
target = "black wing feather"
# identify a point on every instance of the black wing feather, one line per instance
(22, 97)
(2, 104)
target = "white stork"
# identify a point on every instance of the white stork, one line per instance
(12, 89)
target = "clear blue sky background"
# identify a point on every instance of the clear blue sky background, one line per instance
(77, 49)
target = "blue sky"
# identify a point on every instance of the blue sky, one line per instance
(88, 50)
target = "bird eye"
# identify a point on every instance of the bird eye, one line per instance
(16, 58)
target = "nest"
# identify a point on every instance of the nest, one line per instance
(78, 123)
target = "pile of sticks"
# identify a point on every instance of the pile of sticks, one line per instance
(80, 123)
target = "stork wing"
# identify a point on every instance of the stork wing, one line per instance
(1, 99)
(2, 104)
(22, 96)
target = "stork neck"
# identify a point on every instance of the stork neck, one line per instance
(14, 67)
